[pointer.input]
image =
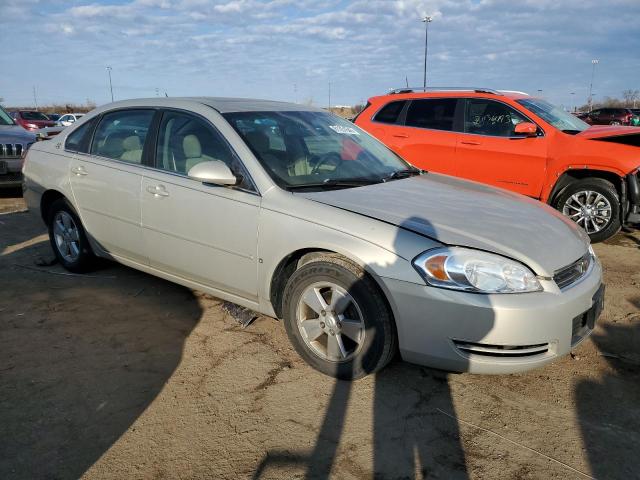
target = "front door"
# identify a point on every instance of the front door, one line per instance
(106, 181)
(200, 232)
(490, 152)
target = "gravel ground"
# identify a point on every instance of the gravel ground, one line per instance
(119, 375)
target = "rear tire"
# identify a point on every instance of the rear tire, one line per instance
(592, 203)
(68, 238)
(330, 301)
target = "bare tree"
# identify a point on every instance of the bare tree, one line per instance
(631, 97)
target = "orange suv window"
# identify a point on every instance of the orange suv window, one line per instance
(436, 113)
(390, 112)
(487, 117)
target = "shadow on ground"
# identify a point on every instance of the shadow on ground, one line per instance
(608, 409)
(100, 349)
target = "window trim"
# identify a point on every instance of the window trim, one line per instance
(156, 135)
(511, 137)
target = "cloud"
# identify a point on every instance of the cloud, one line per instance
(263, 47)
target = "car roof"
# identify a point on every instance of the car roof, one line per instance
(221, 104)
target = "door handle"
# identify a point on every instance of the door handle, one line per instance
(400, 135)
(158, 191)
(79, 171)
(469, 142)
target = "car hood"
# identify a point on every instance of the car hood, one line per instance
(603, 131)
(463, 213)
(15, 134)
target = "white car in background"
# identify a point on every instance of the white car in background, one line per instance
(69, 118)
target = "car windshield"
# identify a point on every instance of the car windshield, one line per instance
(554, 115)
(33, 116)
(312, 149)
(5, 118)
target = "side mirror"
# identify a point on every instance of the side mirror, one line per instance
(526, 129)
(214, 171)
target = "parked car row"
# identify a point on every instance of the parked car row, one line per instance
(33, 120)
(298, 214)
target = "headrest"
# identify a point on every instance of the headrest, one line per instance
(191, 147)
(132, 143)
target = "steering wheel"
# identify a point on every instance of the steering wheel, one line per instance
(327, 158)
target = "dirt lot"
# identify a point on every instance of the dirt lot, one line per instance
(122, 375)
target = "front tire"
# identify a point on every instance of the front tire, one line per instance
(592, 203)
(337, 318)
(68, 238)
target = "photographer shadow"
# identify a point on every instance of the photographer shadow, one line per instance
(81, 356)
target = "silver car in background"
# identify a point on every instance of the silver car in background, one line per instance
(297, 214)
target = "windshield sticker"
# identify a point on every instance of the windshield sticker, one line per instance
(344, 130)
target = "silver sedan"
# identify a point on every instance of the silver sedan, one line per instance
(300, 215)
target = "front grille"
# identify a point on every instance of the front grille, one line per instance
(10, 177)
(11, 150)
(501, 350)
(572, 273)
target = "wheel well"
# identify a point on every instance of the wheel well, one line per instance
(571, 176)
(291, 263)
(47, 200)
(284, 270)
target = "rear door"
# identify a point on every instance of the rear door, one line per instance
(426, 136)
(200, 232)
(106, 182)
(490, 152)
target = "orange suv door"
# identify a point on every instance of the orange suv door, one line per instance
(423, 134)
(489, 151)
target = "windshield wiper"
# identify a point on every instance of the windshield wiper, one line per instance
(334, 183)
(404, 173)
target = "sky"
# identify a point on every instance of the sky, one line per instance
(301, 50)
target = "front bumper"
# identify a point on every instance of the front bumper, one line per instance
(475, 333)
(10, 172)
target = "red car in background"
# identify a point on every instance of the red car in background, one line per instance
(610, 116)
(32, 120)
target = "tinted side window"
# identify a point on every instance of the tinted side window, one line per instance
(486, 117)
(80, 138)
(437, 113)
(121, 135)
(390, 112)
(185, 140)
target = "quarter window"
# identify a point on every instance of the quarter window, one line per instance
(487, 117)
(80, 138)
(185, 140)
(390, 112)
(121, 135)
(437, 113)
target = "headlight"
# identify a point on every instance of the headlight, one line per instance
(471, 270)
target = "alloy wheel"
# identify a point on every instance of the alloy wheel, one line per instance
(66, 236)
(330, 322)
(591, 210)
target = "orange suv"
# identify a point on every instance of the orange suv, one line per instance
(521, 143)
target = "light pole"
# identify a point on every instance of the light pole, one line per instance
(594, 62)
(426, 20)
(573, 102)
(110, 84)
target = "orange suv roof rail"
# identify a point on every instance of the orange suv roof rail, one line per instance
(451, 89)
